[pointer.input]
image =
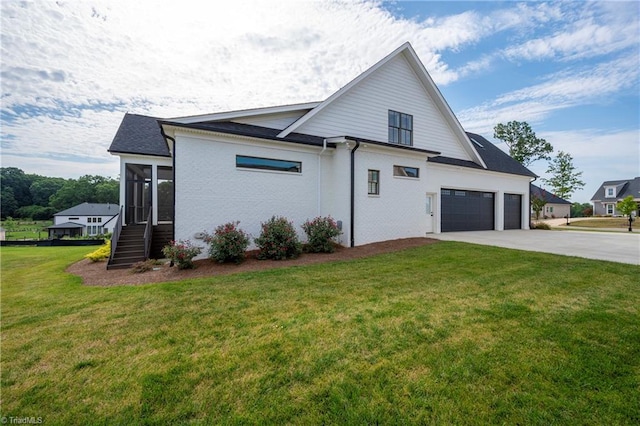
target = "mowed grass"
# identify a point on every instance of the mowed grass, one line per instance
(449, 333)
(608, 222)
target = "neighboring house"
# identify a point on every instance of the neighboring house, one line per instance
(86, 219)
(555, 207)
(610, 192)
(385, 156)
(3, 235)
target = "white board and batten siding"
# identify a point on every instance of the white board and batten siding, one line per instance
(363, 111)
(211, 190)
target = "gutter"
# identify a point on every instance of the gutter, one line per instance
(353, 198)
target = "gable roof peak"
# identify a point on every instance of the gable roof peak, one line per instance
(409, 54)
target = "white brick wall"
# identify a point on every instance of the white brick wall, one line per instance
(211, 191)
(444, 176)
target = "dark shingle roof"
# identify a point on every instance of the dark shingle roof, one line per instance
(251, 131)
(66, 225)
(624, 188)
(546, 195)
(91, 209)
(139, 134)
(495, 159)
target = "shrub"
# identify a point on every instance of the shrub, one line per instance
(181, 253)
(144, 266)
(321, 233)
(101, 254)
(228, 243)
(278, 240)
(540, 225)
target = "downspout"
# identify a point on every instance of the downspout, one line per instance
(353, 195)
(173, 167)
(324, 148)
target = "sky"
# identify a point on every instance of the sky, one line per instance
(71, 69)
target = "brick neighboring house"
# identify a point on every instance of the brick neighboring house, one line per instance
(86, 219)
(611, 192)
(555, 207)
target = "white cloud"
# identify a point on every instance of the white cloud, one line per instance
(598, 29)
(569, 88)
(601, 156)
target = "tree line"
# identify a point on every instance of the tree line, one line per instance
(40, 197)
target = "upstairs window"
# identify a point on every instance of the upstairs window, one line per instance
(610, 192)
(400, 128)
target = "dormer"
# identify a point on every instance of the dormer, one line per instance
(610, 191)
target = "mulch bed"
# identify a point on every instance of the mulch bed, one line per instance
(96, 274)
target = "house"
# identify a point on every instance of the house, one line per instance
(385, 156)
(86, 219)
(554, 207)
(610, 192)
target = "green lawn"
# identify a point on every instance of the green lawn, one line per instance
(448, 333)
(608, 222)
(27, 230)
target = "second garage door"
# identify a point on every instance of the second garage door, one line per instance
(467, 210)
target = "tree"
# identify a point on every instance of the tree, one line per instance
(537, 204)
(581, 210)
(524, 146)
(14, 178)
(8, 203)
(43, 188)
(565, 180)
(627, 206)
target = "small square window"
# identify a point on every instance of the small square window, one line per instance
(374, 182)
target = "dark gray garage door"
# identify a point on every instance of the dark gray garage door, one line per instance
(512, 211)
(467, 210)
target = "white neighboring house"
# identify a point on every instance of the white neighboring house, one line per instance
(384, 155)
(86, 219)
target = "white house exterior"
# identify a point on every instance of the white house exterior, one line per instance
(385, 156)
(86, 219)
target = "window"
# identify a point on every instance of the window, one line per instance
(268, 164)
(74, 218)
(610, 192)
(610, 209)
(374, 182)
(412, 172)
(400, 128)
(99, 220)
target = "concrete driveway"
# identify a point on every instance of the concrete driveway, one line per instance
(615, 247)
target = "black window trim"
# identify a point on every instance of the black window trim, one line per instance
(375, 183)
(264, 167)
(417, 169)
(399, 130)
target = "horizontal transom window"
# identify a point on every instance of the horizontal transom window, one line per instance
(403, 171)
(260, 163)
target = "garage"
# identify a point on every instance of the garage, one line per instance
(512, 211)
(467, 210)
